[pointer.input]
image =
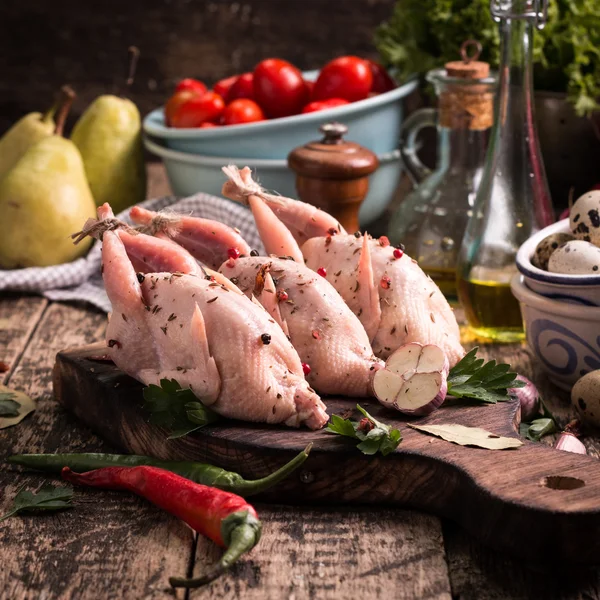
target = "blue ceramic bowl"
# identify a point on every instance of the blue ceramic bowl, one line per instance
(374, 123)
(564, 337)
(574, 289)
(192, 173)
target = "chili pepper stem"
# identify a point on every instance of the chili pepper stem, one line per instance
(242, 539)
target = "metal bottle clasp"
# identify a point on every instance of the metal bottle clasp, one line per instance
(535, 10)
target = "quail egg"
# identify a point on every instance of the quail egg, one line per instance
(575, 258)
(584, 218)
(585, 397)
(546, 247)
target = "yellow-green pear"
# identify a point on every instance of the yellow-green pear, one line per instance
(44, 198)
(109, 137)
(29, 130)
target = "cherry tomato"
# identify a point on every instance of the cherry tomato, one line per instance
(198, 109)
(382, 82)
(242, 88)
(242, 110)
(191, 84)
(174, 102)
(323, 104)
(222, 86)
(208, 125)
(347, 77)
(310, 86)
(279, 88)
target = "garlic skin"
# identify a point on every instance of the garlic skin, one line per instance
(569, 443)
(528, 397)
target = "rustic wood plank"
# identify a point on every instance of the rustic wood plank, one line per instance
(111, 545)
(18, 317)
(476, 573)
(337, 553)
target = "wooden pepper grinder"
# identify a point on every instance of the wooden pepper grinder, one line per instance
(333, 174)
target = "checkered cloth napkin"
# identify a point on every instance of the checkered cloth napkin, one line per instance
(81, 279)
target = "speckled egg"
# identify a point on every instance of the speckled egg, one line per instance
(575, 258)
(546, 247)
(585, 397)
(584, 218)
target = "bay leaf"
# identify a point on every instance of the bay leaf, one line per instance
(469, 436)
(26, 406)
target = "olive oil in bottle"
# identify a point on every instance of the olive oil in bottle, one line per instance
(445, 279)
(491, 309)
(512, 200)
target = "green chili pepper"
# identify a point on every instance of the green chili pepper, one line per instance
(198, 472)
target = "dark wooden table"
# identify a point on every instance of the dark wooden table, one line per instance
(115, 545)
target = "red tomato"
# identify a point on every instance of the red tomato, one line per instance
(174, 102)
(198, 109)
(222, 87)
(208, 125)
(242, 110)
(310, 86)
(279, 88)
(242, 88)
(323, 104)
(347, 77)
(191, 84)
(382, 82)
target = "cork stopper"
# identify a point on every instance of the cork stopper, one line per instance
(469, 67)
(469, 105)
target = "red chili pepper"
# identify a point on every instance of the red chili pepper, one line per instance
(225, 518)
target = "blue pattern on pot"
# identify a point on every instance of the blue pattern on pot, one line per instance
(545, 334)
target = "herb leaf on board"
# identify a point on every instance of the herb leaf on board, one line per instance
(537, 429)
(14, 406)
(176, 409)
(469, 436)
(373, 435)
(48, 498)
(475, 379)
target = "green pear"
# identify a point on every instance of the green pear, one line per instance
(44, 198)
(29, 130)
(109, 137)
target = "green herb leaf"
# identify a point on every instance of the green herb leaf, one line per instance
(8, 406)
(425, 34)
(176, 409)
(373, 435)
(341, 426)
(537, 429)
(48, 498)
(475, 379)
(14, 406)
(469, 436)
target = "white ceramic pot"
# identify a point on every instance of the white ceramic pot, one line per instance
(564, 337)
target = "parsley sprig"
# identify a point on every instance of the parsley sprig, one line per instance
(176, 409)
(476, 379)
(373, 435)
(48, 498)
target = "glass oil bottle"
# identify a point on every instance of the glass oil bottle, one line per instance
(513, 200)
(432, 219)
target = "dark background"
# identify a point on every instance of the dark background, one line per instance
(44, 44)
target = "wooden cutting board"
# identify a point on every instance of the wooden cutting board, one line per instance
(534, 502)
